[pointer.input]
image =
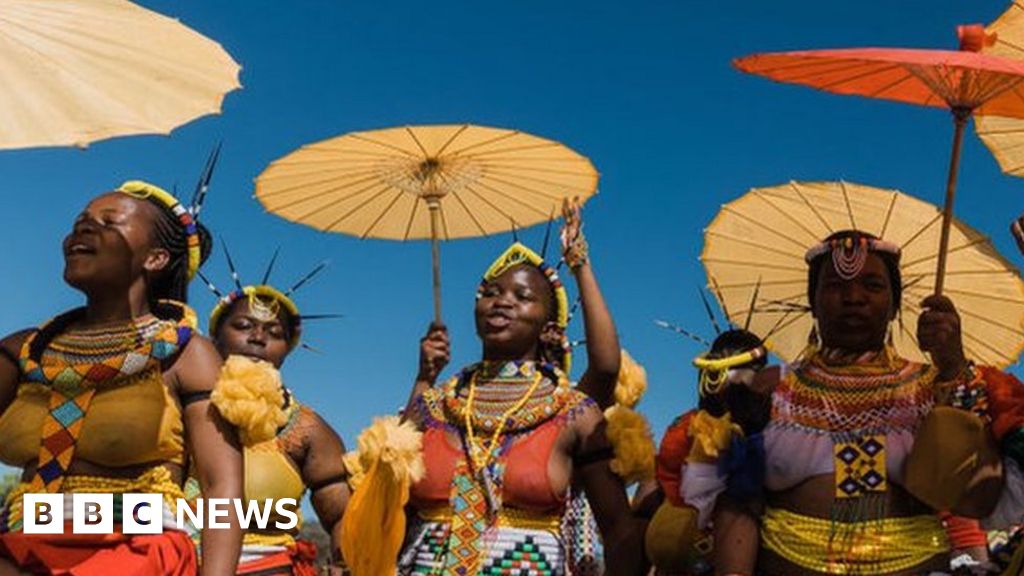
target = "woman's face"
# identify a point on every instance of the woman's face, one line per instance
(111, 243)
(854, 314)
(512, 312)
(245, 333)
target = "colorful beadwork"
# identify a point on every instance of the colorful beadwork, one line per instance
(76, 364)
(517, 397)
(860, 466)
(883, 395)
(140, 189)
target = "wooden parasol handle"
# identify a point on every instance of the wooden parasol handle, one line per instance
(434, 205)
(960, 116)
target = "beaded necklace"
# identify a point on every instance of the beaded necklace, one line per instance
(74, 364)
(482, 456)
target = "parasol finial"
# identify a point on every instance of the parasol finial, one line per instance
(974, 38)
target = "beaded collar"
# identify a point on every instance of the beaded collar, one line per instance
(875, 392)
(69, 361)
(74, 365)
(506, 384)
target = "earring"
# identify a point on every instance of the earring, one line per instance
(813, 338)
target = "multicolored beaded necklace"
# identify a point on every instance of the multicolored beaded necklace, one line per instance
(75, 364)
(503, 400)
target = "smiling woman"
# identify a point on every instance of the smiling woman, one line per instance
(508, 440)
(131, 252)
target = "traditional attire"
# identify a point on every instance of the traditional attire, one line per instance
(98, 395)
(869, 421)
(272, 424)
(487, 506)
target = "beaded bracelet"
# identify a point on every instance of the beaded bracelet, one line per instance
(577, 253)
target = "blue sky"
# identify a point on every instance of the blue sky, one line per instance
(644, 89)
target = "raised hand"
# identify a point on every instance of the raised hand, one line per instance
(574, 244)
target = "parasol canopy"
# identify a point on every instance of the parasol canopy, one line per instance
(757, 243)
(415, 182)
(1004, 136)
(965, 81)
(77, 71)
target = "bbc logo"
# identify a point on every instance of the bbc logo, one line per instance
(92, 513)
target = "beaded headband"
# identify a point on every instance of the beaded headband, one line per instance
(850, 253)
(714, 371)
(143, 190)
(265, 301)
(519, 255)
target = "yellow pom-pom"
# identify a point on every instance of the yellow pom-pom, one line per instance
(632, 382)
(249, 395)
(354, 467)
(394, 444)
(632, 442)
(711, 436)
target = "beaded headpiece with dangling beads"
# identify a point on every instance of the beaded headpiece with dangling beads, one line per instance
(850, 253)
(265, 301)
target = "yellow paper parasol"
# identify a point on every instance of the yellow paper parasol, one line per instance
(1004, 136)
(78, 71)
(418, 182)
(758, 242)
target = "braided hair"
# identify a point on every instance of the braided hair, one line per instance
(171, 283)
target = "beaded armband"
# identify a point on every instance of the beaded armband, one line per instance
(966, 392)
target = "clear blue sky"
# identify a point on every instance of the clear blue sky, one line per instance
(644, 89)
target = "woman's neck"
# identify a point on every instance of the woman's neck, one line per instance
(101, 310)
(836, 356)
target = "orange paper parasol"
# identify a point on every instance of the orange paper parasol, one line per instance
(966, 82)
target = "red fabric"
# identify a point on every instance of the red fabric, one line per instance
(675, 447)
(963, 532)
(1005, 401)
(169, 554)
(527, 484)
(299, 560)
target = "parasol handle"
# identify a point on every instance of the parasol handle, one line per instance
(435, 255)
(960, 116)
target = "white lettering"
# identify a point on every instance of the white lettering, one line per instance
(286, 507)
(252, 509)
(195, 517)
(218, 508)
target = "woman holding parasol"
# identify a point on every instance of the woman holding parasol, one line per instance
(863, 494)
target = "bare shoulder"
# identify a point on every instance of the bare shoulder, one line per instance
(12, 343)
(319, 432)
(197, 366)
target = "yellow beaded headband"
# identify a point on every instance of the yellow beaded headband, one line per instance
(519, 255)
(715, 371)
(144, 190)
(265, 301)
